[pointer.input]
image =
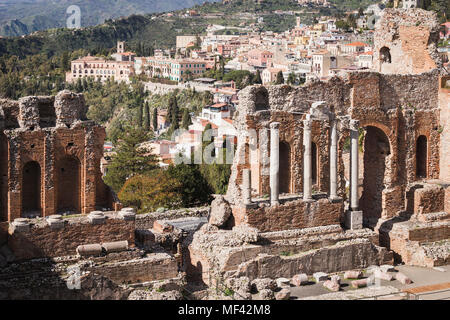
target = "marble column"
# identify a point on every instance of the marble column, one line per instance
(354, 170)
(274, 162)
(246, 186)
(307, 164)
(333, 160)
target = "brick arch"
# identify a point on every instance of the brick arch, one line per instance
(285, 177)
(31, 189)
(377, 173)
(68, 184)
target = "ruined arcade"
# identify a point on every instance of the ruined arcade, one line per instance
(50, 158)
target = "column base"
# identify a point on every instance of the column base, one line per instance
(274, 203)
(335, 199)
(354, 220)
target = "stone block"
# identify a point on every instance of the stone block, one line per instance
(403, 278)
(336, 278)
(128, 214)
(300, 279)
(88, 250)
(20, 225)
(97, 217)
(266, 294)
(55, 221)
(360, 283)
(379, 274)
(352, 274)
(331, 285)
(162, 227)
(283, 282)
(320, 276)
(283, 294)
(354, 220)
(387, 268)
(265, 283)
(117, 246)
(220, 211)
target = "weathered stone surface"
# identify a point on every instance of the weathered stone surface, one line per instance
(266, 294)
(241, 285)
(320, 276)
(382, 275)
(88, 250)
(387, 268)
(283, 294)
(352, 274)
(360, 283)
(404, 279)
(283, 282)
(117, 246)
(300, 279)
(154, 295)
(246, 233)
(336, 278)
(331, 285)
(220, 211)
(262, 284)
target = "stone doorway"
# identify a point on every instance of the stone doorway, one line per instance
(69, 193)
(376, 151)
(285, 167)
(31, 189)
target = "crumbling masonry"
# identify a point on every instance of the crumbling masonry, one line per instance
(366, 152)
(50, 158)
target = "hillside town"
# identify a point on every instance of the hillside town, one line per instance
(238, 164)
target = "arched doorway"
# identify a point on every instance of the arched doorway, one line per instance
(285, 167)
(31, 189)
(421, 157)
(376, 150)
(314, 164)
(69, 193)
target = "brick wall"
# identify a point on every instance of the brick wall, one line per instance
(428, 200)
(43, 241)
(291, 215)
(157, 266)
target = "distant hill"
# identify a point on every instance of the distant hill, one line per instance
(19, 17)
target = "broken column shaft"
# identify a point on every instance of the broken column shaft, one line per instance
(354, 201)
(246, 186)
(274, 162)
(307, 164)
(333, 160)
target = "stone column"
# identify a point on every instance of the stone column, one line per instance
(274, 162)
(246, 186)
(354, 201)
(333, 160)
(307, 165)
(354, 217)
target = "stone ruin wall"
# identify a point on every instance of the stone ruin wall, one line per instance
(401, 107)
(43, 240)
(46, 146)
(405, 41)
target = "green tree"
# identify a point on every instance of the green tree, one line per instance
(146, 116)
(280, 78)
(147, 193)
(257, 79)
(186, 121)
(155, 118)
(194, 189)
(291, 78)
(130, 159)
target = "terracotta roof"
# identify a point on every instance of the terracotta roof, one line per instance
(357, 44)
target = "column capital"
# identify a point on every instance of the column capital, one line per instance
(274, 125)
(354, 124)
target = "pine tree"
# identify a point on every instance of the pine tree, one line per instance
(280, 78)
(146, 116)
(291, 78)
(139, 115)
(257, 79)
(155, 119)
(186, 121)
(130, 159)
